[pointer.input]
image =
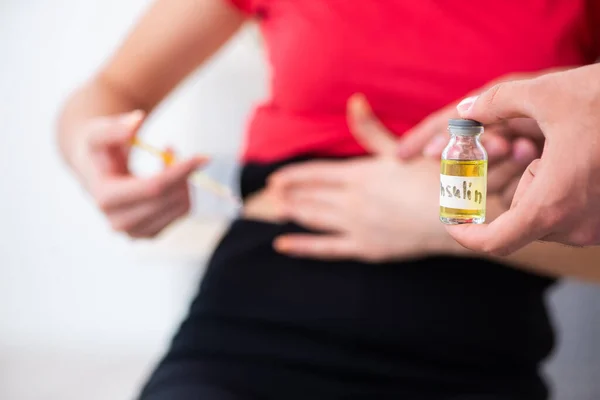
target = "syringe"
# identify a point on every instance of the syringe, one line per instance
(198, 178)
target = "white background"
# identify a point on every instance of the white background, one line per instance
(81, 306)
(83, 311)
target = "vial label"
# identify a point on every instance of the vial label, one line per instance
(462, 192)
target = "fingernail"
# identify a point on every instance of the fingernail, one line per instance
(132, 118)
(435, 146)
(201, 160)
(466, 104)
(534, 166)
(281, 245)
(358, 105)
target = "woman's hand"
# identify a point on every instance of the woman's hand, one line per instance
(139, 207)
(508, 144)
(374, 209)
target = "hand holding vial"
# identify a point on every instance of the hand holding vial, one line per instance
(558, 197)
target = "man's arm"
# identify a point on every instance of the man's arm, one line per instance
(558, 197)
(550, 259)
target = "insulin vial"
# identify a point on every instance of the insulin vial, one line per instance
(463, 175)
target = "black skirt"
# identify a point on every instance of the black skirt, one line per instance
(267, 326)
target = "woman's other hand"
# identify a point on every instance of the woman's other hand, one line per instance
(138, 207)
(374, 209)
(510, 145)
(170, 41)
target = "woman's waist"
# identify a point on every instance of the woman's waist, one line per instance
(474, 310)
(255, 173)
(273, 134)
(262, 204)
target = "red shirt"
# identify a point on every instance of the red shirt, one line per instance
(409, 57)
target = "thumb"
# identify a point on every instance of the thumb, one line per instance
(367, 129)
(514, 228)
(509, 232)
(115, 130)
(503, 101)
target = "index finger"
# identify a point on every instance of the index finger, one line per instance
(312, 172)
(503, 101)
(122, 192)
(367, 129)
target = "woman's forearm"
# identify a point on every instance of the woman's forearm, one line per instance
(171, 40)
(554, 259)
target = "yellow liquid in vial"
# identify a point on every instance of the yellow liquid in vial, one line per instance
(463, 191)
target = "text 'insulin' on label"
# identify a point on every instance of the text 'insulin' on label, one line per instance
(461, 192)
